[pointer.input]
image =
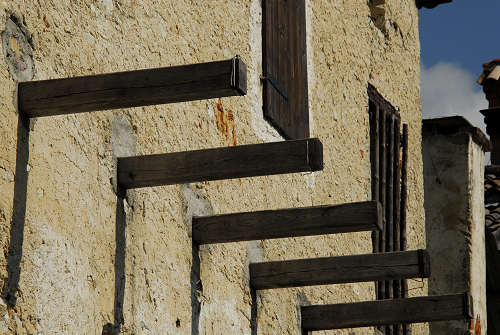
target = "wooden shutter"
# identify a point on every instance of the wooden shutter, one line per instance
(285, 67)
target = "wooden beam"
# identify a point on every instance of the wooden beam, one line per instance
(492, 169)
(338, 270)
(493, 310)
(133, 88)
(221, 163)
(404, 202)
(387, 312)
(308, 221)
(383, 188)
(389, 202)
(493, 298)
(430, 3)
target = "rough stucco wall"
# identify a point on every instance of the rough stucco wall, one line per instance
(75, 227)
(349, 51)
(454, 194)
(478, 255)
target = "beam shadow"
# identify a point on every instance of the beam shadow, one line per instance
(15, 252)
(253, 313)
(120, 253)
(196, 290)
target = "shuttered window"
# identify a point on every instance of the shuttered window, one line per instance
(285, 67)
(389, 152)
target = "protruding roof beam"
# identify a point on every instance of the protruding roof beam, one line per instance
(430, 3)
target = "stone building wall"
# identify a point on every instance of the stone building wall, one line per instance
(453, 155)
(70, 225)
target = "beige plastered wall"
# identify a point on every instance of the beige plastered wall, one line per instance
(454, 185)
(67, 282)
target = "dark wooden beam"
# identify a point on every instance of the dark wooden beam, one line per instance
(492, 169)
(308, 221)
(430, 3)
(493, 310)
(387, 312)
(383, 188)
(493, 297)
(133, 88)
(338, 270)
(221, 163)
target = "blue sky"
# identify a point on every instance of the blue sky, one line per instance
(465, 32)
(456, 39)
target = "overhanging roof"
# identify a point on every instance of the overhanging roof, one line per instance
(430, 3)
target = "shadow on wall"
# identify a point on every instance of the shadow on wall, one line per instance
(196, 291)
(15, 252)
(14, 255)
(18, 52)
(253, 314)
(120, 252)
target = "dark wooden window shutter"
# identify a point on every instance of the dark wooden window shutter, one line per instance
(285, 67)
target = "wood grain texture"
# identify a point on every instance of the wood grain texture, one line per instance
(374, 112)
(398, 329)
(338, 270)
(389, 207)
(308, 221)
(133, 88)
(387, 312)
(284, 60)
(406, 328)
(383, 188)
(221, 163)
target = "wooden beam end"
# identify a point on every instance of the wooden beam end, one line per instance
(424, 261)
(239, 76)
(20, 101)
(380, 216)
(123, 178)
(468, 306)
(315, 154)
(430, 3)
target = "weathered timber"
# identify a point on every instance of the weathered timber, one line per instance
(404, 190)
(430, 3)
(374, 156)
(493, 310)
(382, 188)
(398, 330)
(402, 214)
(338, 270)
(284, 65)
(387, 312)
(221, 163)
(133, 88)
(389, 207)
(397, 186)
(492, 169)
(293, 222)
(374, 146)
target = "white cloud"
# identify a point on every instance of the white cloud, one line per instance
(449, 90)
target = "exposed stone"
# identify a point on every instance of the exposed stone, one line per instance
(377, 13)
(123, 144)
(195, 203)
(4, 328)
(18, 51)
